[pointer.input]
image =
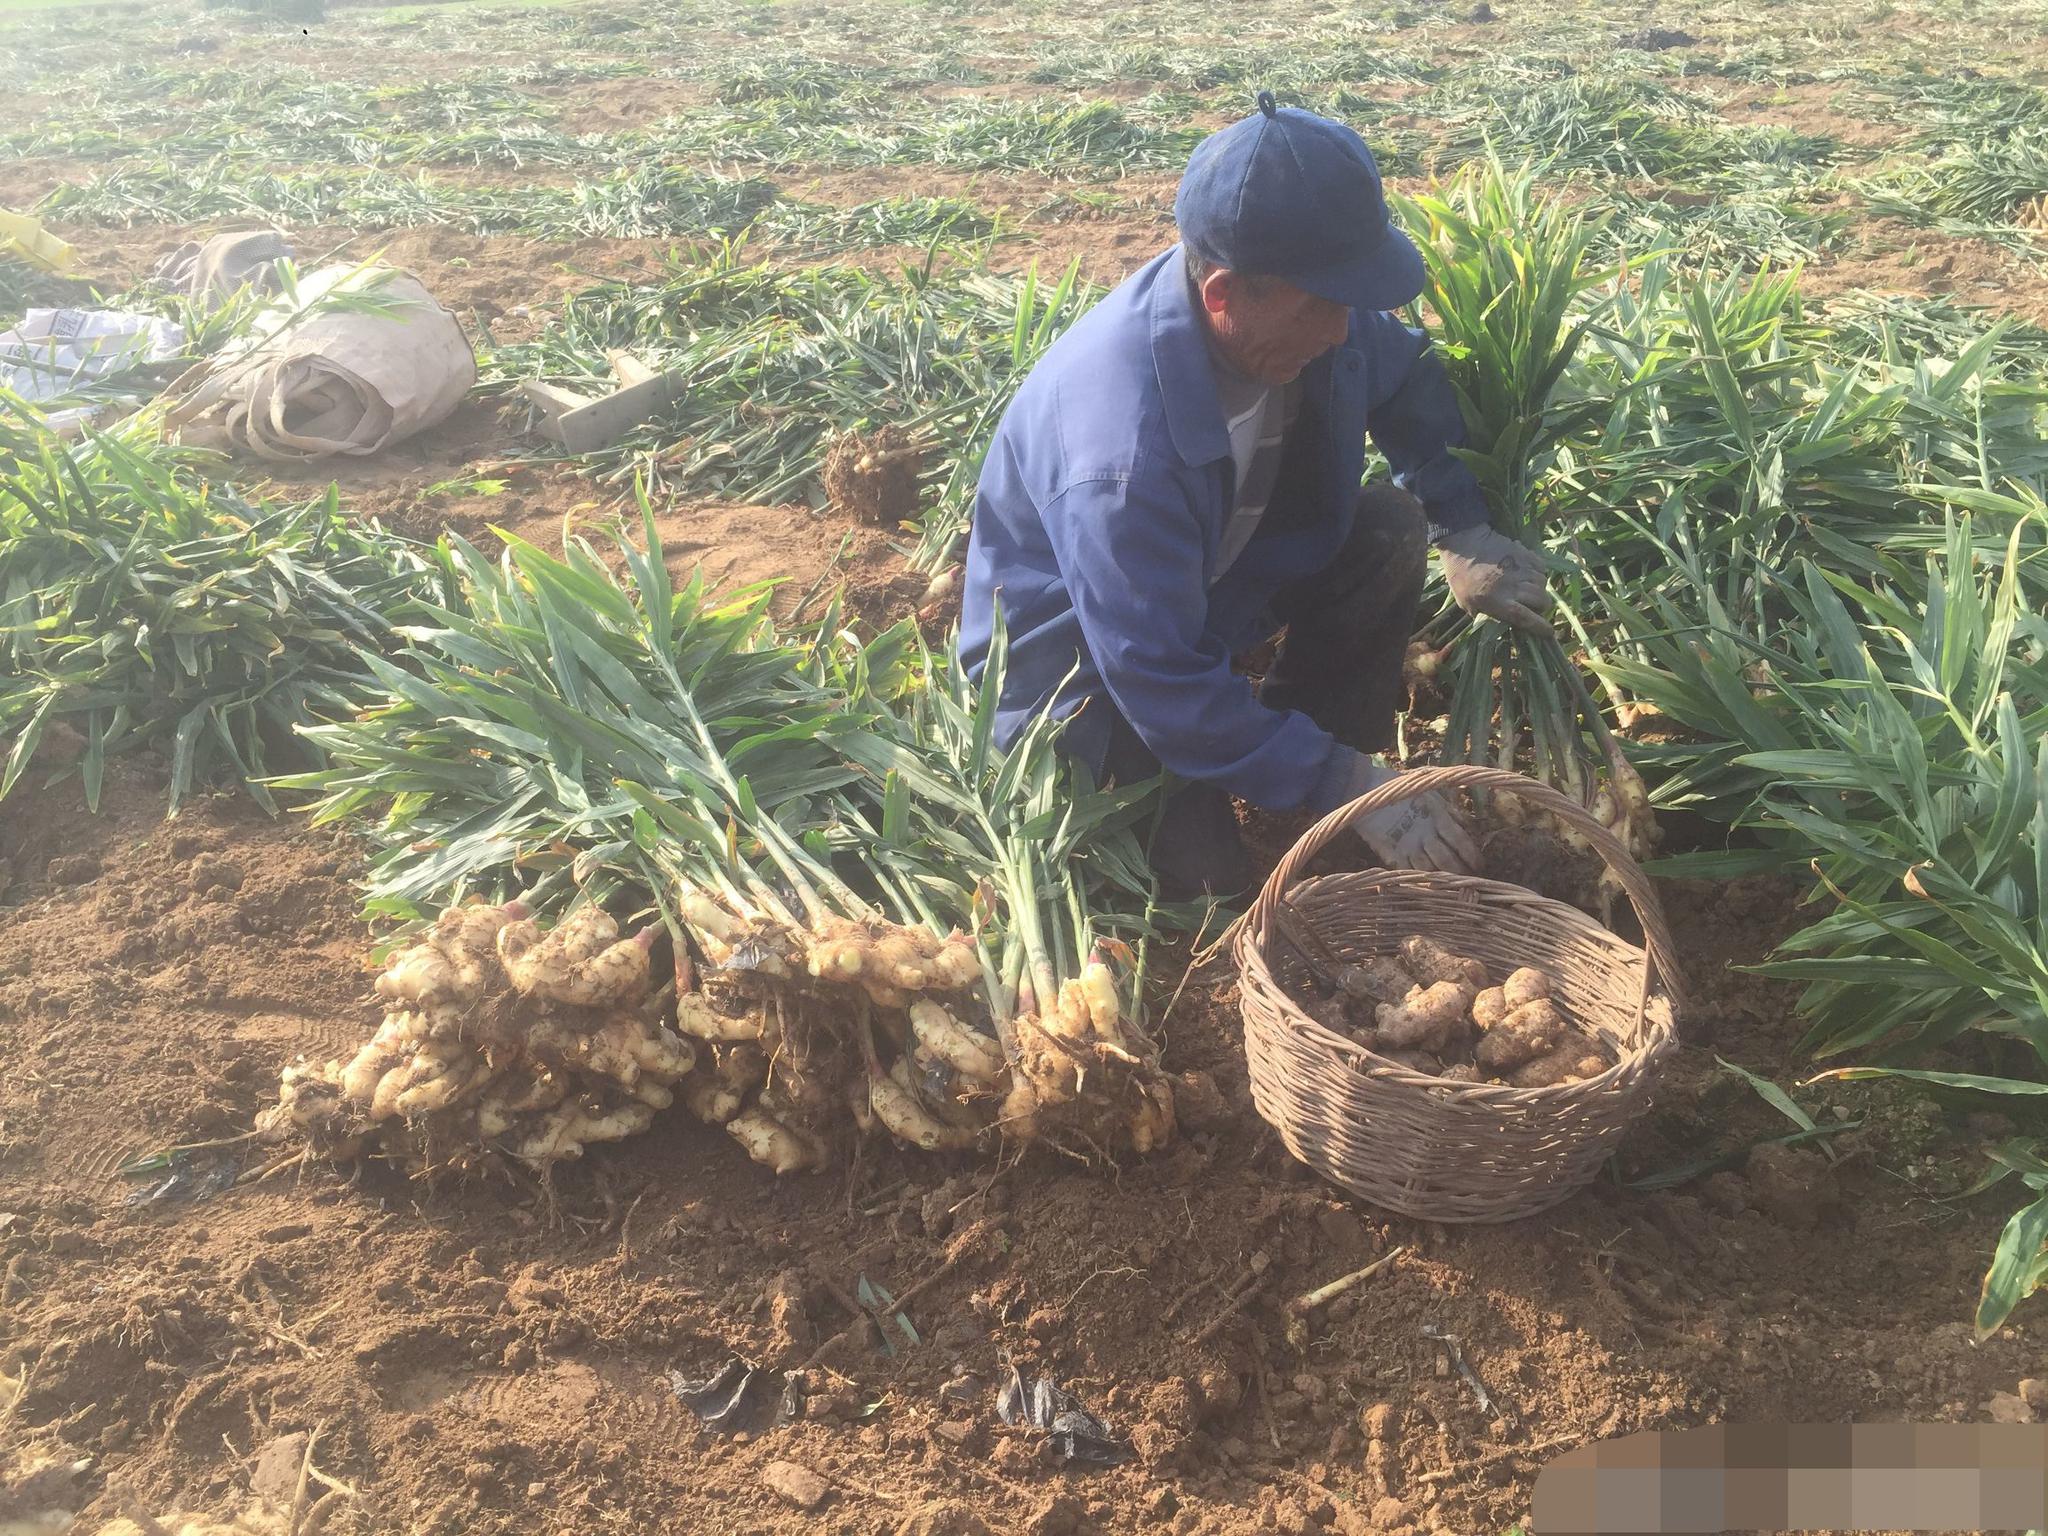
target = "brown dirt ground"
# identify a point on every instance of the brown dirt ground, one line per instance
(1826, 110)
(485, 1358)
(495, 1357)
(614, 106)
(1887, 255)
(27, 179)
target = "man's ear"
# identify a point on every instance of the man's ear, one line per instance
(1218, 289)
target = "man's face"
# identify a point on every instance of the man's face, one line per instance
(1269, 328)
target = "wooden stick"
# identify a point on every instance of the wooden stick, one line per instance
(317, 1511)
(1265, 1384)
(1463, 1468)
(956, 1250)
(334, 1483)
(840, 1294)
(1301, 1306)
(1236, 1302)
(1179, 1303)
(298, 1512)
(277, 1165)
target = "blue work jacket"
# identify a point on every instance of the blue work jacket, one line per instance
(1102, 503)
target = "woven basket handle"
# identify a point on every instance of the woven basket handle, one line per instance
(1663, 964)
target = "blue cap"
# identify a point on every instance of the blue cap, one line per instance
(1291, 195)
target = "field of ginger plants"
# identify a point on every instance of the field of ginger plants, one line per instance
(1789, 464)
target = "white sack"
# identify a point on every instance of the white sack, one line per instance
(58, 351)
(314, 379)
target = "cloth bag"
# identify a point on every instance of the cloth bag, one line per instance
(215, 270)
(365, 358)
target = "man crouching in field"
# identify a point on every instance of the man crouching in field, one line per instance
(1180, 476)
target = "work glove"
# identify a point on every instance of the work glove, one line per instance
(1493, 574)
(1421, 832)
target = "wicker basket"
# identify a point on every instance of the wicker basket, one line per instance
(1454, 1152)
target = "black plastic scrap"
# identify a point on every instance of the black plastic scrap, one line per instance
(1076, 1434)
(728, 1399)
(186, 1178)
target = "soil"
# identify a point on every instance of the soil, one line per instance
(1892, 256)
(497, 1355)
(470, 1353)
(614, 106)
(1826, 111)
(27, 179)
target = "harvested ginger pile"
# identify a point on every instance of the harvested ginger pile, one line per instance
(872, 1027)
(495, 1033)
(499, 1037)
(1440, 1013)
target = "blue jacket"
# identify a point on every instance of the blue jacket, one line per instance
(1101, 503)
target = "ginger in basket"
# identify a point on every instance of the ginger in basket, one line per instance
(1440, 1013)
(1427, 1016)
(1458, 1025)
(1430, 962)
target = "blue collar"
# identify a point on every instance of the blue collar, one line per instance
(1180, 353)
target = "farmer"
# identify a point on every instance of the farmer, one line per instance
(1180, 476)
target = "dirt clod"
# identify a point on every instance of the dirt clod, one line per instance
(873, 476)
(945, 1517)
(1060, 1515)
(1655, 39)
(1791, 1185)
(2009, 1408)
(276, 1475)
(531, 1292)
(1728, 1193)
(1199, 1104)
(797, 1485)
(73, 869)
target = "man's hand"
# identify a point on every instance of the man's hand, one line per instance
(1420, 833)
(1493, 574)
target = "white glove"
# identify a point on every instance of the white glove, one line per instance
(1493, 574)
(1422, 832)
